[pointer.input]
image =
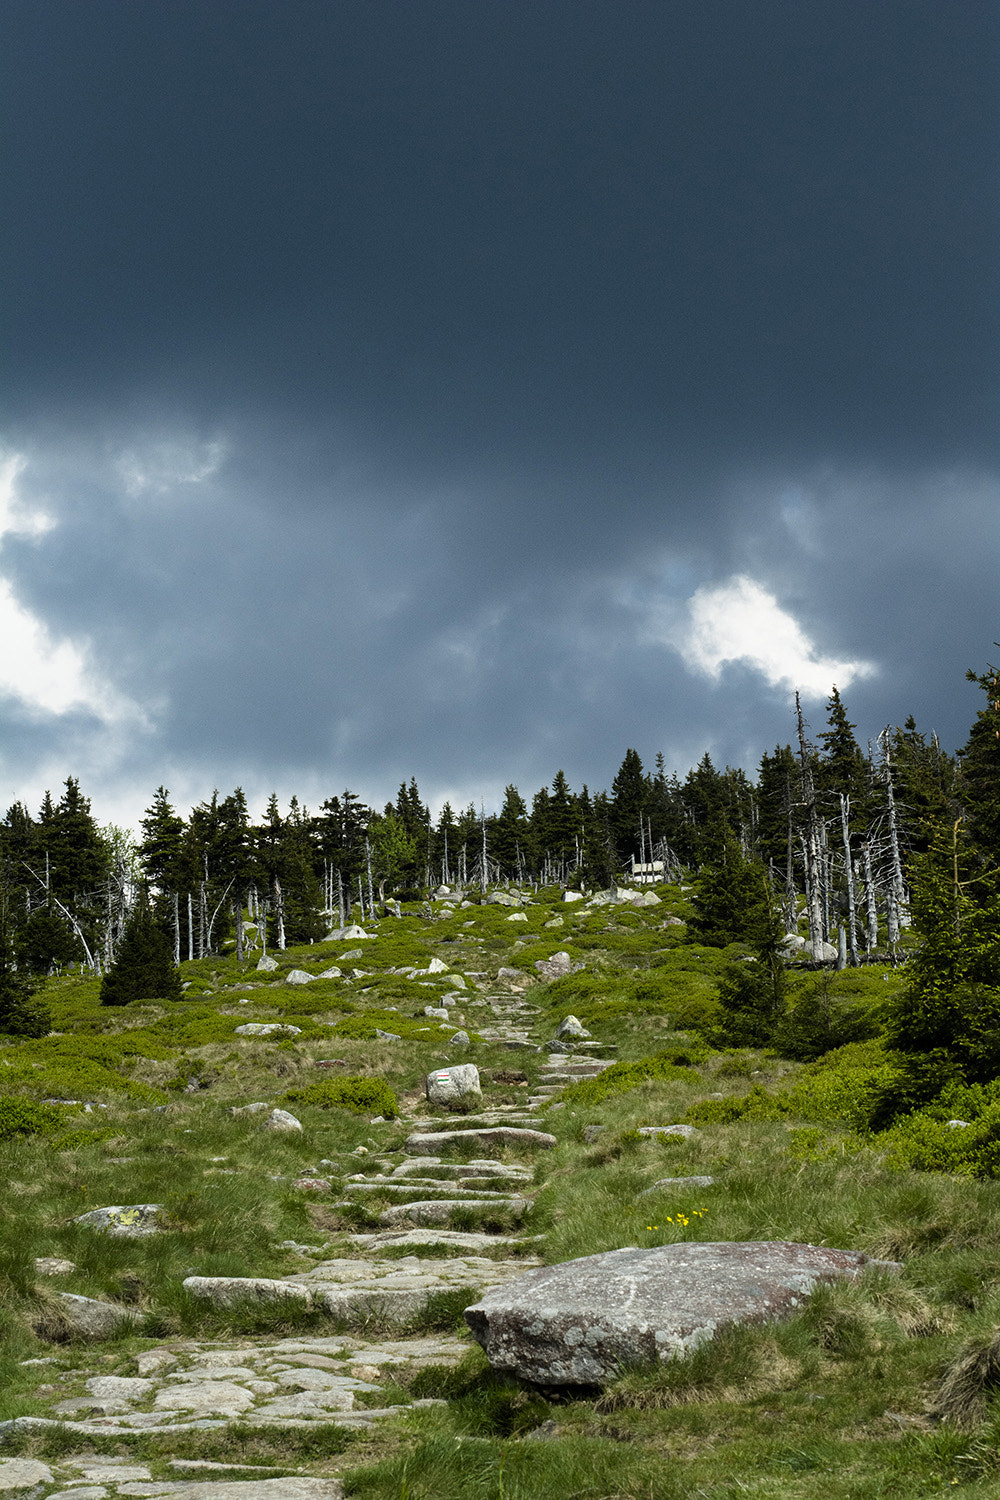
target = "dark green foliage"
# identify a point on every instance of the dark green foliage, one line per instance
(361, 1096)
(46, 942)
(948, 1012)
(733, 896)
(979, 780)
(817, 1019)
(144, 968)
(22, 1011)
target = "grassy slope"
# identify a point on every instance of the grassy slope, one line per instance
(833, 1404)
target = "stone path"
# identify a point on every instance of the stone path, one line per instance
(346, 1378)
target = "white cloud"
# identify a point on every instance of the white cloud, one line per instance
(739, 621)
(44, 673)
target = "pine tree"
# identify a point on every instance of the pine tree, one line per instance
(629, 795)
(144, 968)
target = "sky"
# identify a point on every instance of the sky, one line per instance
(468, 391)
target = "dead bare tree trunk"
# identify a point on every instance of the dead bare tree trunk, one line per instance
(811, 850)
(852, 929)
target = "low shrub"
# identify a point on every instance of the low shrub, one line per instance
(623, 1076)
(24, 1117)
(757, 1104)
(361, 1096)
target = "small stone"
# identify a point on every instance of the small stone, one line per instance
(331, 973)
(299, 976)
(387, 1036)
(267, 965)
(281, 1121)
(688, 1132)
(460, 1039)
(257, 1108)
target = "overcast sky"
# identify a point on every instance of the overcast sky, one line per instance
(470, 390)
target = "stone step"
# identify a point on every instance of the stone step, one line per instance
(414, 1164)
(421, 1142)
(439, 1210)
(422, 1186)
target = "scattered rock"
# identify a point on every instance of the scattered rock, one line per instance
(387, 1036)
(299, 976)
(460, 1039)
(517, 916)
(133, 1223)
(269, 1028)
(457, 1086)
(556, 967)
(572, 895)
(677, 1182)
(331, 973)
(334, 1062)
(91, 1318)
(580, 1322)
(340, 934)
(689, 1132)
(592, 1132)
(257, 1108)
(571, 1027)
(280, 1120)
(53, 1265)
(351, 953)
(223, 1291)
(266, 965)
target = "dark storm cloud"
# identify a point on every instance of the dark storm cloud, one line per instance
(396, 374)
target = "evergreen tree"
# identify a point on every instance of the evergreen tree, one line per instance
(733, 896)
(510, 834)
(144, 968)
(841, 766)
(162, 845)
(629, 795)
(22, 1011)
(980, 768)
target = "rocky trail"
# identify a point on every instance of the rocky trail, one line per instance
(349, 1377)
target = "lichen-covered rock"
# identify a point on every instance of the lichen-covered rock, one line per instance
(266, 965)
(454, 1087)
(133, 1222)
(299, 976)
(581, 1322)
(281, 1121)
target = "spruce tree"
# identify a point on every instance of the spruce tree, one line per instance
(22, 1011)
(144, 968)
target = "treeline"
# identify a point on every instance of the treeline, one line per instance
(825, 819)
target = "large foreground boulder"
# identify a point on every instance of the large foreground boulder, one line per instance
(581, 1322)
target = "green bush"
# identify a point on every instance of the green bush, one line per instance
(621, 1077)
(361, 1096)
(23, 1117)
(846, 1085)
(929, 1144)
(757, 1104)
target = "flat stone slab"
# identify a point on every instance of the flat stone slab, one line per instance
(424, 1142)
(581, 1322)
(459, 1239)
(439, 1210)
